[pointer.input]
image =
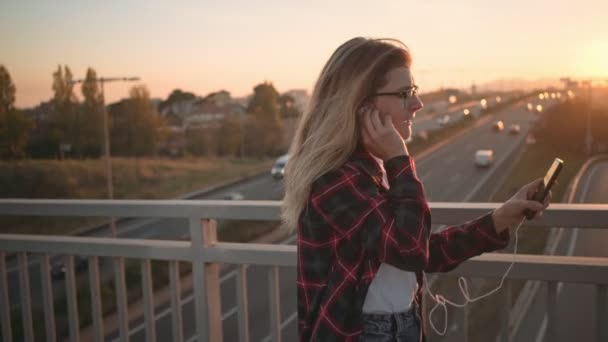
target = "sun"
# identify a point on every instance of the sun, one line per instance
(593, 59)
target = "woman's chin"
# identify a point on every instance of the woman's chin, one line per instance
(405, 133)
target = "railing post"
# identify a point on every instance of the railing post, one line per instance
(5, 305)
(118, 264)
(205, 278)
(199, 286)
(26, 297)
(176, 302)
(602, 312)
(505, 335)
(274, 304)
(243, 303)
(148, 294)
(72, 298)
(551, 332)
(212, 277)
(47, 298)
(456, 326)
(96, 309)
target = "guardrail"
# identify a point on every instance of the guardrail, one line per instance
(204, 252)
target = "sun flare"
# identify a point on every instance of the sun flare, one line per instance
(593, 60)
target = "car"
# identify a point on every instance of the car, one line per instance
(484, 158)
(233, 196)
(498, 126)
(58, 265)
(443, 120)
(423, 135)
(514, 129)
(278, 169)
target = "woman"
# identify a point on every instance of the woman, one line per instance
(361, 215)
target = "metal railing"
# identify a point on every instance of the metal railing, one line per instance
(205, 253)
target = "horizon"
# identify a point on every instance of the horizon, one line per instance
(199, 47)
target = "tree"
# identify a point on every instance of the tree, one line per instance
(65, 118)
(228, 137)
(265, 101)
(7, 91)
(176, 96)
(266, 129)
(90, 118)
(15, 128)
(201, 141)
(91, 90)
(288, 107)
(138, 129)
(63, 87)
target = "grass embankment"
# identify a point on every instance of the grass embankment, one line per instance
(133, 179)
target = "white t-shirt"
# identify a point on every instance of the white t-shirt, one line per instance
(392, 290)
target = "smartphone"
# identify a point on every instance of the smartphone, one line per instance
(546, 185)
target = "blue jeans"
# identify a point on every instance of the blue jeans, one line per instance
(395, 327)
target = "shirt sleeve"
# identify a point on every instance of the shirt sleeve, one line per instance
(453, 245)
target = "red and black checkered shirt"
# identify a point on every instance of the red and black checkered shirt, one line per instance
(352, 223)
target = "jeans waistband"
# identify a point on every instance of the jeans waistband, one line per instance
(388, 317)
(397, 326)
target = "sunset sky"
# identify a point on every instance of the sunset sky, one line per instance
(203, 46)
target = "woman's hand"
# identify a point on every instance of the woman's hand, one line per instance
(512, 211)
(379, 136)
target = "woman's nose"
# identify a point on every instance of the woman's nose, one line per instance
(416, 104)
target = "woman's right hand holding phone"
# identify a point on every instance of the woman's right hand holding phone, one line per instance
(511, 212)
(379, 136)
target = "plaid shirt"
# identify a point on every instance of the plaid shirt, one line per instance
(352, 223)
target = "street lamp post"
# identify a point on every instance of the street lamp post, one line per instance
(242, 136)
(118, 262)
(106, 134)
(588, 136)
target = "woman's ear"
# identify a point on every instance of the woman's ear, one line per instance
(366, 106)
(362, 109)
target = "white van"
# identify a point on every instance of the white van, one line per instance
(278, 169)
(484, 158)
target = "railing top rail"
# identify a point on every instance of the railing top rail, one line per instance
(563, 215)
(570, 269)
(492, 265)
(97, 246)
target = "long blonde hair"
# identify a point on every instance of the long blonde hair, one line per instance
(328, 132)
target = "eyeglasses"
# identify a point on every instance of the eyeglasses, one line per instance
(405, 95)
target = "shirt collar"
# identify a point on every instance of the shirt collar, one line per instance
(368, 162)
